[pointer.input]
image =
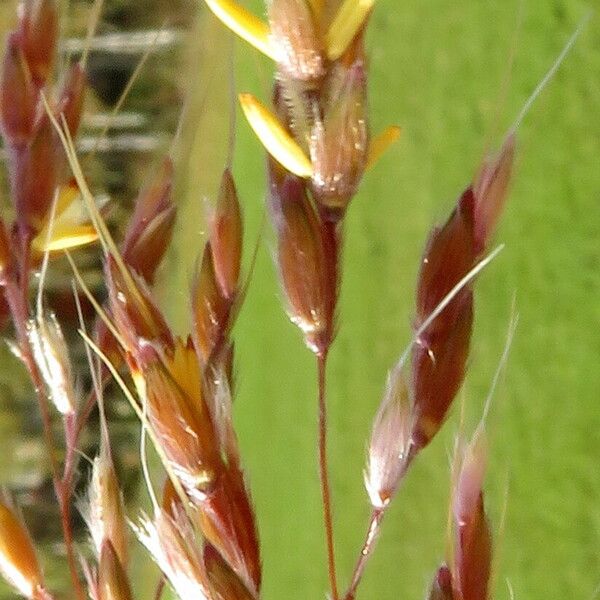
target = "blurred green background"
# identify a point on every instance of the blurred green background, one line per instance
(438, 69)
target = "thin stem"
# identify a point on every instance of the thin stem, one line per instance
(324, 475)
(372, 534)
(366, 551)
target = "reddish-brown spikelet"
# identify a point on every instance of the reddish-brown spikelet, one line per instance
(180, 415)
(136, 316)
(113, 583)
(211, 309)
(296, 41)
(39, 30)
(490, 190)
(33, 177)
(441, 587)
(473, 540)
(146, 240)
(72, 96)
(441, 352)
(339, 141)
(151, 225)
(224, 583)
(302, 259)
(227, 522)
(438, 369)
(18, 561)
(448, 257)
(226, 237)
(18, 95)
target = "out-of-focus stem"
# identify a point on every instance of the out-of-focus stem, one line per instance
(324, 475)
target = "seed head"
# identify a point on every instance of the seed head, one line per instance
(18, 561)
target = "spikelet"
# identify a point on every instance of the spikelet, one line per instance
(136, 315)
(112, 579)
(224, 583)
(490, 190)
(33, 177)
(226, 237)
(441, 587)
(105, 510)
(18, 95)
(71, 97)
(389, 451)
(302, 259)
(52, 358)
(296, 40)
(339, 142)
(18, 561)
(151, 226)
(171, 542)
(440, 355)
(473, 540)
(179, 414)
(211, 309)
(38, 28)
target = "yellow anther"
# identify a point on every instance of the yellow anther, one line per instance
(69, 227)
(243, 23)
(273, 136)
(346, 24)
(381, 143)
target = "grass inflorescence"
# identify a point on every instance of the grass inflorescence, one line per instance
(201, 528)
